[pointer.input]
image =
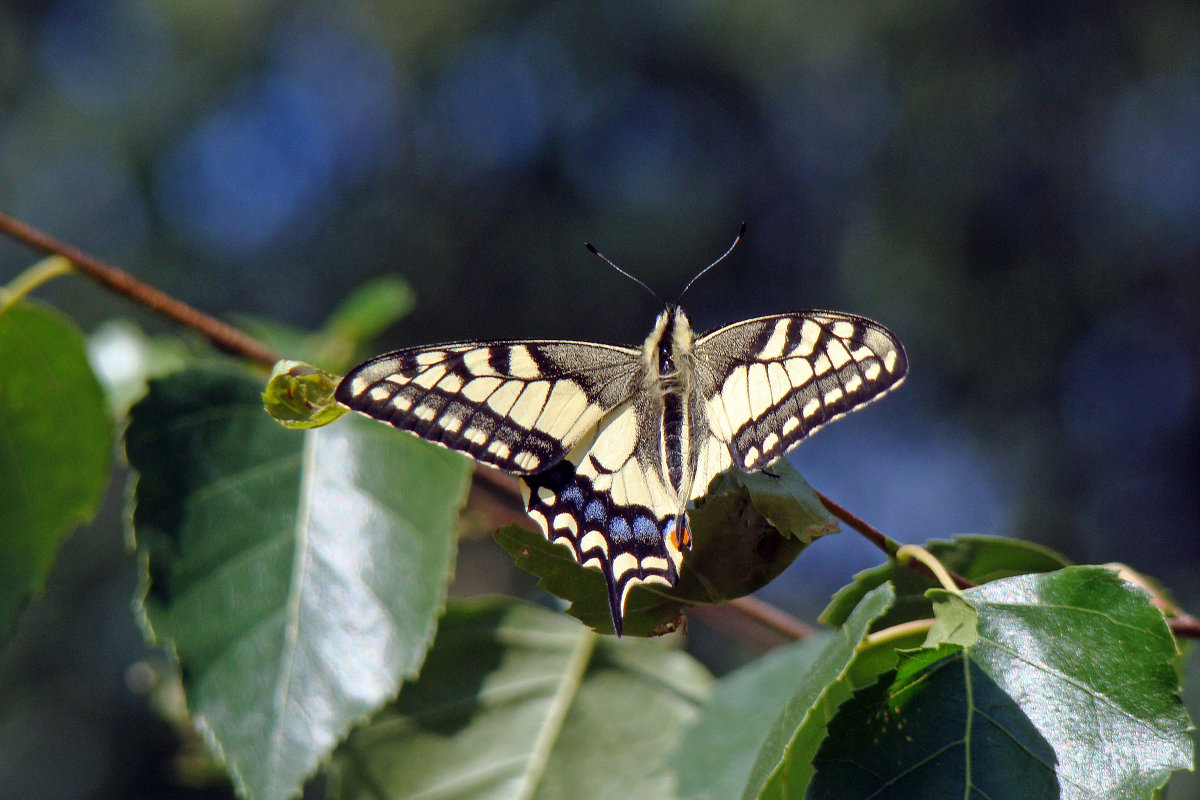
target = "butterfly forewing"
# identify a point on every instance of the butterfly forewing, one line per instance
(771, 381)
(518, 406)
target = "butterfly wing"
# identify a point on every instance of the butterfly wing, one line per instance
(518, 406)
(769, 382)
(571, 418)
(609, 503)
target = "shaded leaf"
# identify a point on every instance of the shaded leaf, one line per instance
(520, 702)
(55, 447)
(1069, 691)
(737, 550)
(881, 746)
(977, 558)
(912, 664)
(298, 576)
(800, 727)
(717, 752)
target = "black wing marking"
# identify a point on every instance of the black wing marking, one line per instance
(612, 508)
(771, 381)
(518, 406)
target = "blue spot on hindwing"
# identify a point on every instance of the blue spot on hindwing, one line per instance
(594, 511)
(619, 530)
(572, 495)
(645, 530)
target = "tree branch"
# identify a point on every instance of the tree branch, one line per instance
(1184, 626)
(884, 543)
(223, 336)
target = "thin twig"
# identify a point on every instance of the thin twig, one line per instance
(1185, 626)
(771, 617)
(884, 543)
(868, 532)
(731, 620)
(224, 337)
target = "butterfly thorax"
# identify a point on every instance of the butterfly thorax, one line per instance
(667, 353)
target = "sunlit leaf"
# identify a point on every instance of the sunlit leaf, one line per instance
(298, 575)
(520, 702)
(1065, 688)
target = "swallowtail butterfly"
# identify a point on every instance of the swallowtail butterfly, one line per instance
(612, 443)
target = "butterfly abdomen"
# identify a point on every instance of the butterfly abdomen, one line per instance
(672, 426)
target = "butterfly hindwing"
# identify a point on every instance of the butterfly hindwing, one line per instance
(608, 504)
(518, 406)
(774, 380)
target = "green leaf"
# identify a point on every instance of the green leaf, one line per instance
(370, 309)
(888, 747)
(299, 576)
(1069, 691)
(745, 532)
(955, 620)
(783, 498)
(787, 751)
(55, 447)
(912, 664)
(717, 752)
(517, 701)
(362, 316)
(977, 558)
(300, 396)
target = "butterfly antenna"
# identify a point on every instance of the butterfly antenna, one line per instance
(736, 239)
(608, 261)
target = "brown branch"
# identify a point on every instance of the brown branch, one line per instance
(771, 617)
(884, 543)
(736, 619)
(1184, 626)
(868, 532)
(224, 337)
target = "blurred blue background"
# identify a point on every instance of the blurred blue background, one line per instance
(1012, 187)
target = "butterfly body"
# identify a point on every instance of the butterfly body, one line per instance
(613, 443)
